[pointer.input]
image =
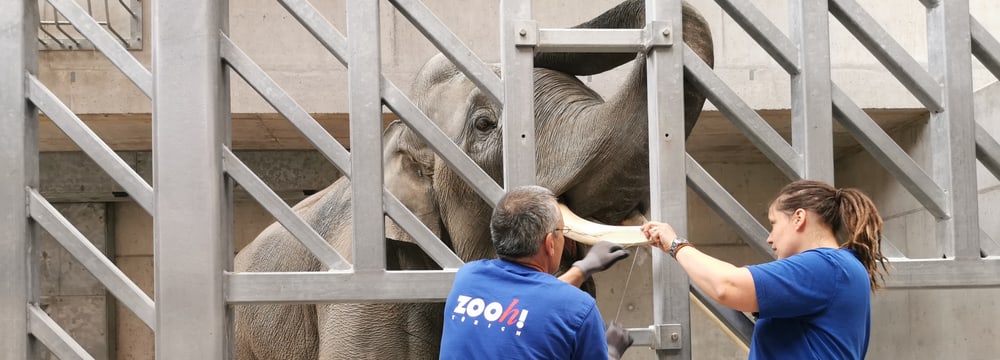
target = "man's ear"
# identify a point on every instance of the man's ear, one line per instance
(549, 244)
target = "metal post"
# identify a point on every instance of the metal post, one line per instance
(667, 185)
(516, 64)
(364, 74)
(189, 130)
(812, 109)
(952, 130)
(19, 161)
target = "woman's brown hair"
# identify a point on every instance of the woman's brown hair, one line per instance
(849, 210)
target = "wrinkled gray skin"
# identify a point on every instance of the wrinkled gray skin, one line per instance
(592, 153)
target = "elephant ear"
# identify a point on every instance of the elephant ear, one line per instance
(630, 14)
(408, 172)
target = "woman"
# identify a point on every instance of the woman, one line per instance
(814, 301)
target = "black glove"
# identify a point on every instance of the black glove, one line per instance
(601, 256)
(618, 341)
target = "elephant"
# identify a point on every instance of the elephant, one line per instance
(591, 152)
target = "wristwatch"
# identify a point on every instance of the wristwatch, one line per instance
(678, 243)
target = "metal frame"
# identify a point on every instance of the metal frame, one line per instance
(74, 15)
(191, 137)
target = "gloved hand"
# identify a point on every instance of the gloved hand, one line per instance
(601, 256)
(618, 341)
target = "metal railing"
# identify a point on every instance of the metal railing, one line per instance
(196, 169)
(63, 23)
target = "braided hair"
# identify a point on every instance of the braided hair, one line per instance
(848, 210)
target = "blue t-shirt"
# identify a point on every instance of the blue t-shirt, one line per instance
(502, 310)
(813, 305)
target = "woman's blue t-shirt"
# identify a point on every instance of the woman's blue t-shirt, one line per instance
(813, 305)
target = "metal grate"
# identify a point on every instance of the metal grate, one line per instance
(120, 18)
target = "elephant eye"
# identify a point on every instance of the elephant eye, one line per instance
(484, 123)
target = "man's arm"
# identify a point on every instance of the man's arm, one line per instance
(600, 257)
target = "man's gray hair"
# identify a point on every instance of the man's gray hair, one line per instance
(521, 220)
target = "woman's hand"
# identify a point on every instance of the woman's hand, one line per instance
(659, 234)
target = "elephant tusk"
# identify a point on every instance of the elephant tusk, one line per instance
(590, 233)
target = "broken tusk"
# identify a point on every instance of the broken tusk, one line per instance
(590, 233)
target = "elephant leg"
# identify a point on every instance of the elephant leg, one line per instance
(380, 331)
(272, 332)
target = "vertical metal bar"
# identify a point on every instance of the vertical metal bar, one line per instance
(516, 65)
(812, 109)
(19, 161)
(953, 130)
(668, 187)
(189, 113)
(366, 134)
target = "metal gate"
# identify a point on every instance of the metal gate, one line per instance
(195, 170)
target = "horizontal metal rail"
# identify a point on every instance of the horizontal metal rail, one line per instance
(592, 40)
(943, 273)
(338, 286)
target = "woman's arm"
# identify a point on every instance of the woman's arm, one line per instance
(726, 284)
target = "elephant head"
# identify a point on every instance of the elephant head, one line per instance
(592, 152)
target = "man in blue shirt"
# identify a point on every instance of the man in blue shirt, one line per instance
(513, 308)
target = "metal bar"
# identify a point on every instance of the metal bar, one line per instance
(668, 193)
(319, 27)
(987, 151)
(592, 40)
(764, 32)
(717, 198)
(189, 129)
(282, 213)
(438, 34)
(112, 49)
(429, 242)
(338, 286)
(735, 321)
(888, 52)
(366, 135)
(985, 47)
(60, 343)
(944, 273)
(92, 259)
(59, 25)
(953, 130)
(516, 63)
(284, 104)
(758, 131)
(885, 150)
(19, 161)
(431, 134)
(90, 143)
(334, 42)
(812, 112)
